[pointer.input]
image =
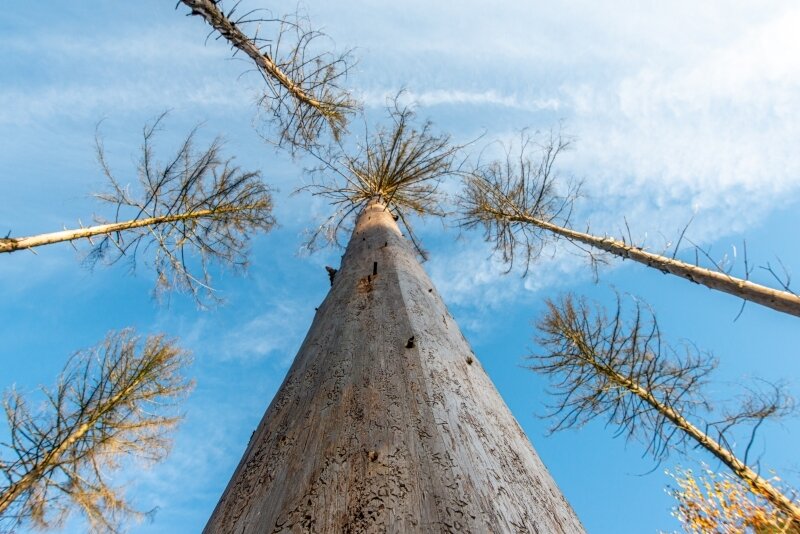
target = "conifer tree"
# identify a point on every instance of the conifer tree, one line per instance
(112, 404)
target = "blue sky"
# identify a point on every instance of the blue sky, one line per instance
(678, 111)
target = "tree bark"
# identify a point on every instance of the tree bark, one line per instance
(782, 301)
(386, 421)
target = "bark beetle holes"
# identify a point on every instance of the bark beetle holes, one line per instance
(469, 360)
(410, 343)
(365, 284)
(373, 455)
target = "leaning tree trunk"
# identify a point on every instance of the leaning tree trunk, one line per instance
(13, 244)
(782, 301)
(386, 421)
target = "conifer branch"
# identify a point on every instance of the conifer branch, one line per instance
(192, 211)
(521, 206)
(112, 403)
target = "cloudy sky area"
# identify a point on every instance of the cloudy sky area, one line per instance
(678, 112)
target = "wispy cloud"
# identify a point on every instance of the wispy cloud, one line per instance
(470, 275)
(162, 66)
(455, 97)
(715, 136)
(137, 47)
(93, 100)
(276, 332)
(689, 125)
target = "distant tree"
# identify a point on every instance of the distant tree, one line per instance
(719, 503)
(111, 403)
(194, 210)
(604, 366)
(304, 93)
(521, 205)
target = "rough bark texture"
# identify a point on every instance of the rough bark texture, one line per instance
(386, 421)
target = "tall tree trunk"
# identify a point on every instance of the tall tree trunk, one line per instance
(209, 10)
(782, 301)
(12, 244)
(386, 421)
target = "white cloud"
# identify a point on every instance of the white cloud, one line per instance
(94, 76)
(141, 46)
(95, 100)
(715, 136)
(276, 332)
(456, 97)
(683, 119)
(470, 275)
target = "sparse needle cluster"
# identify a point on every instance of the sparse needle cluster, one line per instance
(403, 165)
(112, 403)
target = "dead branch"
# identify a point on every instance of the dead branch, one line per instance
(520, 207)
(520, 184)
